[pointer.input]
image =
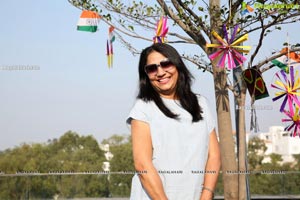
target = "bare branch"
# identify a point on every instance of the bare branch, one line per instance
(260, 64)
(198, 62)
(267, 68)
(261, 37)
(278, 21)
(199, 39)
(233, 10)
(235, 6)
(196, 17)
(188, 40)
(133, 50)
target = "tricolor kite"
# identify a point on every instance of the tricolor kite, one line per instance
(88, 21)
(290, 58)
(109, 46)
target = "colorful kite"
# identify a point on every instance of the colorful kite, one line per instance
(294, 120)
(289, 88)
(88, 21)
(161, 30)
(255, 83)
(291, 58)
(229, 49)
(109, 46)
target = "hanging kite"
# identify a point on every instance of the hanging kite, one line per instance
(229, 49)
(257, 90)
(290, 58)
(294, 120)
(289, 88)
(109, 46)
(161, 30)
(88, 21)
(255, 83)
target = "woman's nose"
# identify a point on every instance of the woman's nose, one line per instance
(160, 71)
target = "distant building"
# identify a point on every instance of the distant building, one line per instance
(108, 155)
(279, 141)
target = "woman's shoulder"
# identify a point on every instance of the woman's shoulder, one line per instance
(143, 105)
(141, 110)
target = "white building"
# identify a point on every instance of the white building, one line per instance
(280, 142)
(108, 155)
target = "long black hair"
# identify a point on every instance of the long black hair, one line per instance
(187, 98)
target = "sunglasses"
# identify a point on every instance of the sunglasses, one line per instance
(164, 64)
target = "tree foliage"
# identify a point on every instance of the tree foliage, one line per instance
(69, 153)
(265, 178)
(121, 165)
(274, 177)
(256, 150)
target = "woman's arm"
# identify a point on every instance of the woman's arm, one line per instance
(212, 167)
(142, 156)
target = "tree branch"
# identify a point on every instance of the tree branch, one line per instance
(196, 61)
(235, 6)
(278, 22)
(195, 16)
(260, 64)
(261, 37)
(233, 10)
(199, 39)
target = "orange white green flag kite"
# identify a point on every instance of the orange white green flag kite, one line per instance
(88, 21)
(287, 60)
(109, 46)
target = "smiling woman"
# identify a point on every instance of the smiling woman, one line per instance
(172, 131)
(165, 75)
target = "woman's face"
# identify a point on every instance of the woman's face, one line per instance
(164, 80)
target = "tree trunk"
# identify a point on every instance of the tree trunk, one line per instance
(242, 145)
(240, 89)
(227, 146)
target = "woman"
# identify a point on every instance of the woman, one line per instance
(175, 147)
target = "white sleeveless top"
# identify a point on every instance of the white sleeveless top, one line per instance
(180, 148)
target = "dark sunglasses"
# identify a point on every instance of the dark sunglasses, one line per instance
(164, 64)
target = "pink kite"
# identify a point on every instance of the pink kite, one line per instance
(161, 30)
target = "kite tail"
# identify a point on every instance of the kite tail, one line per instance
(253, 123)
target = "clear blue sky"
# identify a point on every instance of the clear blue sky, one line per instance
(73, 88)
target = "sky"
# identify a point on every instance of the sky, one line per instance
(70, 86)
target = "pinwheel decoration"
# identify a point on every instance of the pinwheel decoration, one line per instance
(161, 30)
(229, 49)
(289, 88)
(293, 120)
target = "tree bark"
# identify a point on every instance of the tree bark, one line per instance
(240, 89)
(227, 146)
(242, 168)
(228, 156)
